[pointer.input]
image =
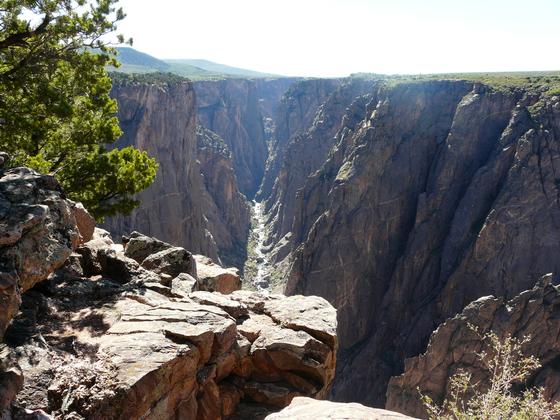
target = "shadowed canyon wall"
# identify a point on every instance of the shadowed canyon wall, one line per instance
(435, 194)
(237, 110)
(199, 197)
(304, 141)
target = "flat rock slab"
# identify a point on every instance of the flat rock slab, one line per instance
(303, 408)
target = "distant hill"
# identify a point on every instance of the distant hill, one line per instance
(218, 68)
(134, 61)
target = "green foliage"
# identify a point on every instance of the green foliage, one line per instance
(56, 114)
(506, 366)
(110, 194)
(156, 78)
(546, 83)
(182, 65)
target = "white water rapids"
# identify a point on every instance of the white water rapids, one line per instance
(261, 277)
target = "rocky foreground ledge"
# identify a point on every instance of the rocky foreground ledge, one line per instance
(102, 332)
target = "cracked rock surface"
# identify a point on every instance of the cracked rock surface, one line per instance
(107, 338)
(38, 232)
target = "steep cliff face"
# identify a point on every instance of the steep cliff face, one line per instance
(161, 119)
(305, 152)
(236, 111)
(294, 114)
(226, 209)
(270, 93)
(400, 204)
(436, 193)
(195, 200)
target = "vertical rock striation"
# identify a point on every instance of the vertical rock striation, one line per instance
(398, 203)
(306, 150)
(161, 119)
(210, 140)
(294, 114)
(437, 193)
(226, 209)
(236, 109)
(195, 201)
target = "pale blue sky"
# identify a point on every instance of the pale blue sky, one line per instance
(339, 37)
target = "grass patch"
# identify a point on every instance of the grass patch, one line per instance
(547, 83)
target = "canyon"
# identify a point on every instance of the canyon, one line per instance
(399, 202)
(392, 215)
(288, 235)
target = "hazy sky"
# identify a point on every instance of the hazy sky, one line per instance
(339, 37)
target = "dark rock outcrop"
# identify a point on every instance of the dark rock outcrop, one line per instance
(435, 194)
(456, 346)
(226, 209)
(306, 150)
(295, 112)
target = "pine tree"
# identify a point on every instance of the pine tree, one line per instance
(56, 114)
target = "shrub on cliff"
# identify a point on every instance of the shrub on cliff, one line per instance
(56, 114)
(507, 366)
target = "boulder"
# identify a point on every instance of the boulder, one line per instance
(139, 246)
(184, 284)
(120, 336)
(309, 409)
(37, 234)
(11, 380)
(84, 221)
(317, 320)
(234, 308)
(171, 262)
(214, 278)
(101, 256)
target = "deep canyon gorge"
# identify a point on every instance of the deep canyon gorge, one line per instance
(399, 203)
(261, 212)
